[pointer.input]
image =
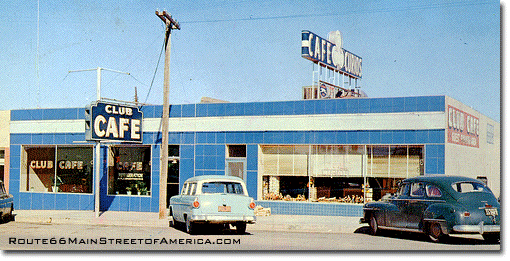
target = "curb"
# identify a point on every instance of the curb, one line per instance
(276, 223)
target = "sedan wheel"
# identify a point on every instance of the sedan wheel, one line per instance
(189, 226)
(374, 227)
(435, 233)
(241, 228)
(491, 237)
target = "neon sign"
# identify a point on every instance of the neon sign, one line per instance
(320, 50)
(105, 121)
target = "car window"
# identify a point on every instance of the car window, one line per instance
(184, 189)
(433, 191)
(466, 187)
(417, 190)
(193, 189)
(222, 187)
(403, 190)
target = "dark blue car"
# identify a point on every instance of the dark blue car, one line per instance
(438, 206)
(6, 204)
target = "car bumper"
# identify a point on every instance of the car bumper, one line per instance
(223, 219)
(481, 228)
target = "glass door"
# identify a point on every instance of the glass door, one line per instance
(172, 180)
(237, 168)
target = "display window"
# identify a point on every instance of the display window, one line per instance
(336, 173)
(57, 169)
(129, 170)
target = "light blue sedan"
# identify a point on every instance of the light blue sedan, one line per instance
(212, 200)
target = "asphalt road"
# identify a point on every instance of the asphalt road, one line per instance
(36, 236)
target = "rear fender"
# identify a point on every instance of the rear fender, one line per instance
(439, 213)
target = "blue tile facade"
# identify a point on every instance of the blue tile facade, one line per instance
(312, 208)
(203, 153)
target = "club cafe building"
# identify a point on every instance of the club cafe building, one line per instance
(312, 156)
(297, 157)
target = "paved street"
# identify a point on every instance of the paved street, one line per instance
(50, 236)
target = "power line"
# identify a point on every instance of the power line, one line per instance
(155, 71)
(411, 8)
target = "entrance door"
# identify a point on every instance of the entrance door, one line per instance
(237, 168)
(172, 181)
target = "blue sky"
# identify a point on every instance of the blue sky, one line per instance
(245, 51)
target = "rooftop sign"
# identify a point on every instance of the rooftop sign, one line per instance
(113, 122)
(320, 50)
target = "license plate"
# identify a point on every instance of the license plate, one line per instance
(491, 211)
(224, 209)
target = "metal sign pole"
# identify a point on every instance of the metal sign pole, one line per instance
(97, 146)
(97, 159)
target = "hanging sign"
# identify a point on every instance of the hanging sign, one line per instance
(317, 49)
(113, 122)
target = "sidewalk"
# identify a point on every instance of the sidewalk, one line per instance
(282, 223)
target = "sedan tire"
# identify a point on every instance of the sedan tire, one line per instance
(374, 226)
(435, 233)
(190, 226)
(241, 228)
(491, 237)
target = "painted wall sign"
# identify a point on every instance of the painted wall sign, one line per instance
(104, 121)
(463, 128)
(317, 49)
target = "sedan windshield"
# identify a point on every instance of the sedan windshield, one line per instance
(222, 187)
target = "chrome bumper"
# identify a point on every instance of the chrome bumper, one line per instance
(222, 219)
(481, 228)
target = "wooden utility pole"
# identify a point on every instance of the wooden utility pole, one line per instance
(170, 24)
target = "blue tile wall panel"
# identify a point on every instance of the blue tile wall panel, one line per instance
(25, 201)
(134, 204)
(61, 201)
(124, 202)
(14, 187)
(175, 111)
(37, 200)
(73, 202)
(410, 136)
(86, 202)
(21, 138)
(251, 183)
(410, 103)
(48, 201)
(145, 204)
(312, 208)
(187, 138)
(148, 111)
(362, 105)
(252, 157)
(434, 159)
(114, 204)
(26, 115)
(188, 110)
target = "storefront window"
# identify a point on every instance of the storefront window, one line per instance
(378, 161)
(74, 169)
(129, 170)
(336, 173)
(398, 161)
(66, 169)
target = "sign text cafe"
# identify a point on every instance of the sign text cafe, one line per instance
(113, 122)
